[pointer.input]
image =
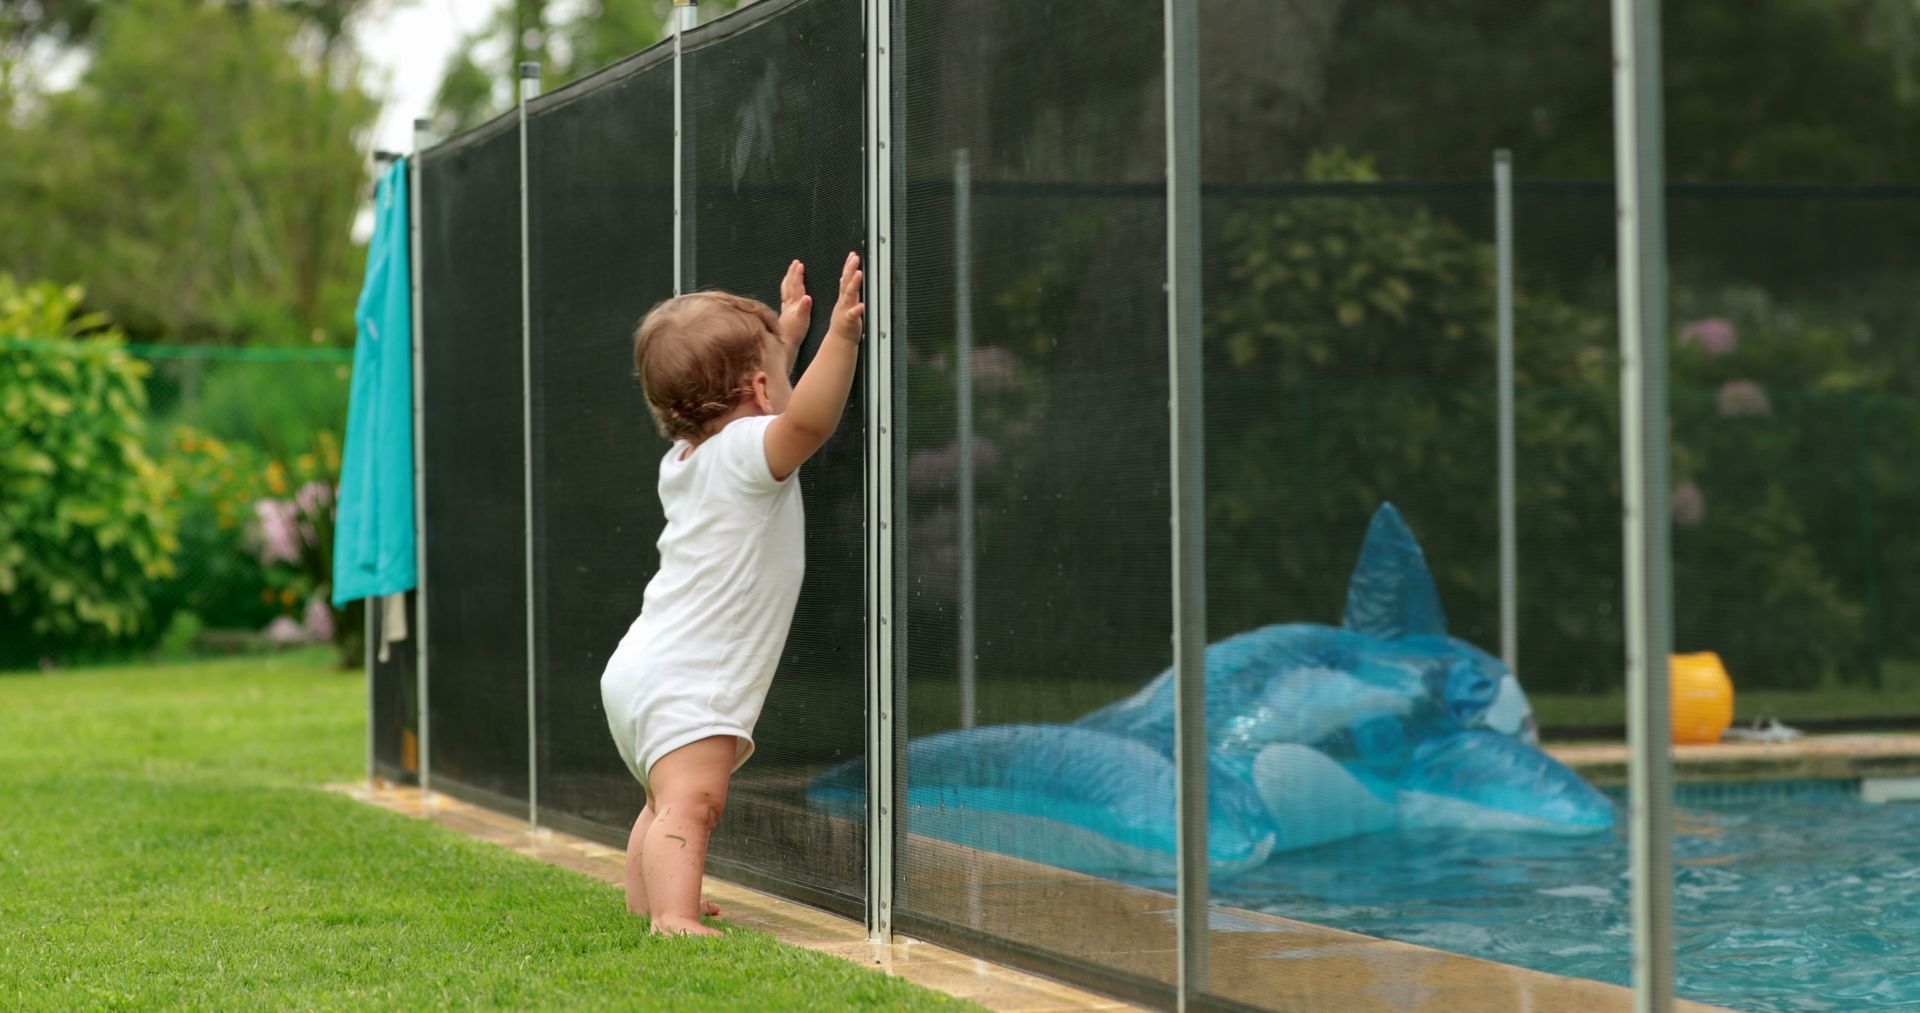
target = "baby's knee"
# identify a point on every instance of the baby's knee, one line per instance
(703, 808)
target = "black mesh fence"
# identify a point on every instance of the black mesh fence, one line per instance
(773, 146)
(394, 696)
(1795, 367)
(472, 400)
(1030, 396)
(600, 186)
(1355, 690)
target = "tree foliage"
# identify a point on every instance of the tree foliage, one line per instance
(568, 39)
(203, 175)
(1755, 89)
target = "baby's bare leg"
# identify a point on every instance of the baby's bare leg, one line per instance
(636, 883)
(637, 886)
(689, 792)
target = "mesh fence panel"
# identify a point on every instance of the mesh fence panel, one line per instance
(395, 697)
(1031, 403)
(773, 125)
(1795, 391)
(476, 525)
(1794, 340)
(600, 198)
(1350, 356)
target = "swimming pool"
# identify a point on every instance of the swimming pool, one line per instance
(1786, 897)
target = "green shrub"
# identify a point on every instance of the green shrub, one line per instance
(86, 521)
(279, 407)
(182, 630)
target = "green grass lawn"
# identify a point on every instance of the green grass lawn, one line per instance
(164, 842)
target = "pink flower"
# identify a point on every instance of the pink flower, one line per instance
(929, 470)
(277, 530)
(1689, 504)
(283, 630)
(1714, 335)
(994, 368)
(314, 498)
(1743, 397)
(318, 620)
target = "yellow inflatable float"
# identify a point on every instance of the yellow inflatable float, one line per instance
(1702, 698)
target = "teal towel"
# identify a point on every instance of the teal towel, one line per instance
(373, 540)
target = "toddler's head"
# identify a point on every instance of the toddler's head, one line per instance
(708, 357)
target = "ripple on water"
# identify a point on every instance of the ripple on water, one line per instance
(1809, 903)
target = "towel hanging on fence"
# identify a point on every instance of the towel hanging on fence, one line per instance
(373, 542)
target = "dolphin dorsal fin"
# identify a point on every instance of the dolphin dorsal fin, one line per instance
(1391, 593)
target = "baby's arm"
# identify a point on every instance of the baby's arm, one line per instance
(814, 412)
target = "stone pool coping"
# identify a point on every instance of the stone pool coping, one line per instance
(1257, 959)
(1855, 757)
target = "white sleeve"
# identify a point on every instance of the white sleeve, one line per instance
(743, 455)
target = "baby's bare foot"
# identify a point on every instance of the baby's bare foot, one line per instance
(708, 909)
(673, 926)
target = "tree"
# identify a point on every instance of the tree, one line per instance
(569, 40)
(203, 176)
(1756, 89)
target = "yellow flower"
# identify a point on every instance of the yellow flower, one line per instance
(287, 597)
(267, 596)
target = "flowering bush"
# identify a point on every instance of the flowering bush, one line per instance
(257, 537)
(292, 536)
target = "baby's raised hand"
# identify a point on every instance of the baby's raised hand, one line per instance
(848, 311)
(796, 307)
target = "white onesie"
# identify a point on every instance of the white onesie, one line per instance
(699, 659)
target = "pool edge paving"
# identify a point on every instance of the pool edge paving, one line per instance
(1853, 757)
(1325, 968)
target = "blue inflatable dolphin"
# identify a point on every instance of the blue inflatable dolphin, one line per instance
(1315, 734)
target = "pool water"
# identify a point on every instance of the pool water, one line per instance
(1806, 899)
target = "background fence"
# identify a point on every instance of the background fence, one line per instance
(1350, 359)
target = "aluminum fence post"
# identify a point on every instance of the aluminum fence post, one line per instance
(529, 90)
(880, 503)
(1640, 186)
(1187, 443)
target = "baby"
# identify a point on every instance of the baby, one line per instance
(685, 686)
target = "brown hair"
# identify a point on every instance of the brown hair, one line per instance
(696, 355)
